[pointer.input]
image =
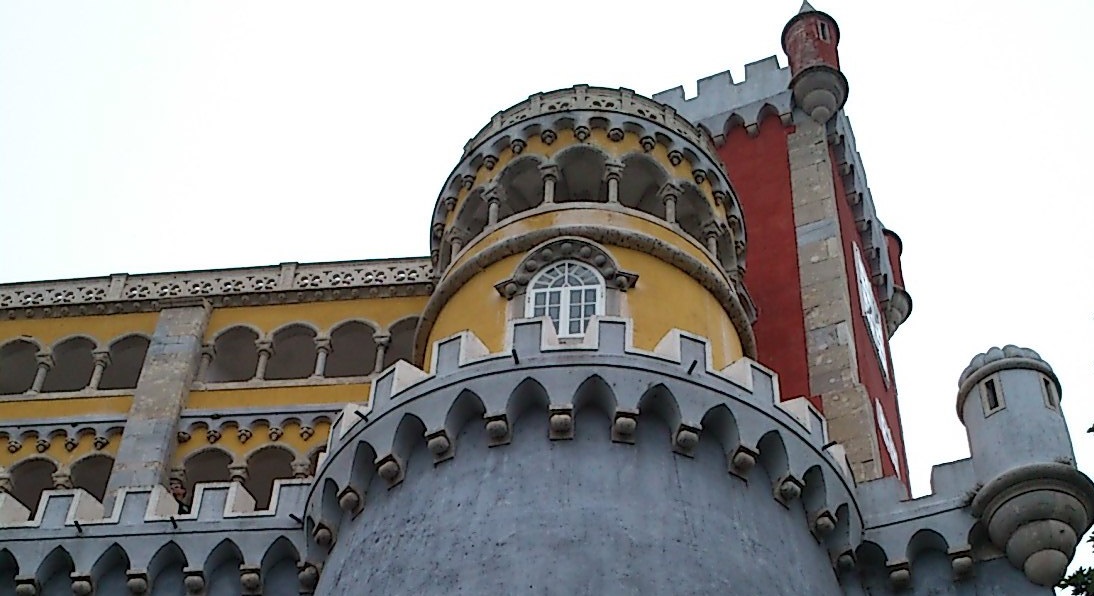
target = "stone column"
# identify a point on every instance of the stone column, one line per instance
(45, 363)
(265, 350)
(102, 360)
(151, 428)
(382, 341)
(710, 233)
(613, 171)
(549, 171)
(208, 352)
(669, 194)
(323, 349)
(493, 197)
(826, 301)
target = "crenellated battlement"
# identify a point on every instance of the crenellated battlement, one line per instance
(533, 343)
(721, 103)
(147, 521)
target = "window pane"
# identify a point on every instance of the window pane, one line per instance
(590, 295)
(575, 311)
(575, 326)
(541, 299)
(553, 312)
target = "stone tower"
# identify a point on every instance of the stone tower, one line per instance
(649, 349)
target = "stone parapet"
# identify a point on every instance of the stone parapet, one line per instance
(152, 535)
(286, 283)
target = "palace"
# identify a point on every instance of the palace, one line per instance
(649, 349)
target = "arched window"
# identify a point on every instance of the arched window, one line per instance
(568, 292)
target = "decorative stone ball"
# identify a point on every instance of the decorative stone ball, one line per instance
(26, 590)
(547, 254)
(497, 429)
(743, 461)
(194, 583)
(308, 576)
(566, 248)
(250, 580)
(1046, 567)
(621, 282)
(438, 445)
(599, 260)
(625, 425)
(900, 578)
(846, 562)
(687, 439)
(962, 566)
(323, 537)
(349, 501)
(531, 264)
(824, 525)
(137, 585)
(389, 470)
(585, 252)
(81, 587)
(511, 290)
(562, 423)
(789, 490)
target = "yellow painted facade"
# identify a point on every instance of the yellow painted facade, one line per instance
(14, 408)
(278, 396)
(478, 307)
(103, 328)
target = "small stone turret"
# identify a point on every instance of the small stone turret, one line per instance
(1032, 500)
(810, 40)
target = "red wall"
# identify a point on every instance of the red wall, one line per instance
(760, 171)
(870, 374)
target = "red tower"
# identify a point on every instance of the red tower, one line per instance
(811, 41)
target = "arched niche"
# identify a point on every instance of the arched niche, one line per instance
(72, 365)
(92, 474)
(581, 172)
(236, 356)
(263, 467)
(126, 359)
(402, 341)
(294, 353)
(209, 465)
(18, 364)
(353, 350)
(640, 185)
(29, 478)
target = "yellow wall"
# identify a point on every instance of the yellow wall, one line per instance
(103, 328)
(279, 396)
(36, 406)
(664, 298)
(476, 306)
(323, 315)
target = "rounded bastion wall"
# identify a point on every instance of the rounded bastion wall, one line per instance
(585, 516)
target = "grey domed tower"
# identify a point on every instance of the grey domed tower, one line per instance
(1033, 502)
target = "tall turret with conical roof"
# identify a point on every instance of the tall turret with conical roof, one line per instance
(810, 39)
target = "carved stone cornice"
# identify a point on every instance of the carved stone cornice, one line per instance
(284, 284)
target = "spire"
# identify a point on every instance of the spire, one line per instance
(806, 7)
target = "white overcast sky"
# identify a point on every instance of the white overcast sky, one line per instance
(152, 136)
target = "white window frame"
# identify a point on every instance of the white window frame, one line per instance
(996, 391)
(871, 312)
(562, 325)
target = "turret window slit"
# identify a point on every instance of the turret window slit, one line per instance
(569, 293)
